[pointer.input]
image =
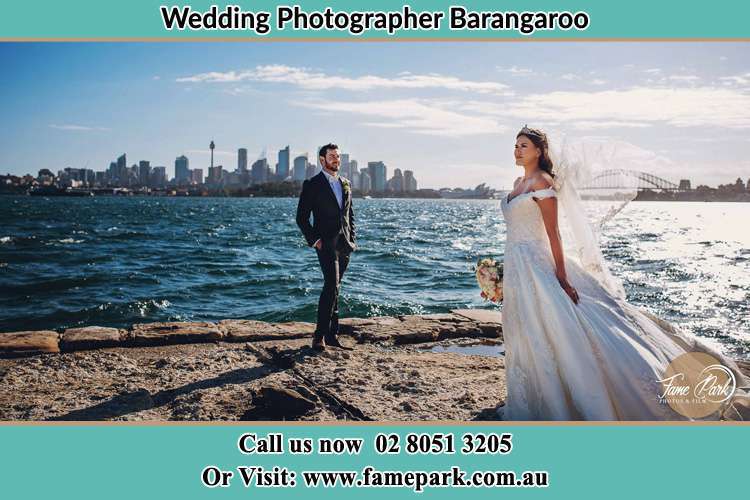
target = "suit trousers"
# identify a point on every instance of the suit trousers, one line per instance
(334, 259)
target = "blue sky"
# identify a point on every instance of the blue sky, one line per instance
(447, 111)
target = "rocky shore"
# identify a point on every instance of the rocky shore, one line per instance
(407, 368)
(401, 368)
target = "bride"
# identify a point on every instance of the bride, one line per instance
(575, 349)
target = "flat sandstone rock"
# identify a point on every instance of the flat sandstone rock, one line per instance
(178, 332)
(91, 337)
(480, 315)
(241, 330)
(412, 329)
(29, 343)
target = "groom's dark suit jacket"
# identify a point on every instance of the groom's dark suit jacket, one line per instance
(329, 221)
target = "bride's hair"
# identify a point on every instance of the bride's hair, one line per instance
(539, 139)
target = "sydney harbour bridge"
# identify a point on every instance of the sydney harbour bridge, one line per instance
(630, 179)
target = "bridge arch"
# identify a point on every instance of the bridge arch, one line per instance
(613, 179)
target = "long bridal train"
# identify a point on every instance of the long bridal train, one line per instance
(601, 359)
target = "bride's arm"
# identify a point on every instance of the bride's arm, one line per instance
(548, 207)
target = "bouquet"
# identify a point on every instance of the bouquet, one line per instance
(490, 278)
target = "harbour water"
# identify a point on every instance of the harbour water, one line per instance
(115, 261)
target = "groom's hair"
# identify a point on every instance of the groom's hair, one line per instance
(324, 150)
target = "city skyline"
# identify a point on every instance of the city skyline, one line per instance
(144, 176)
(447, 112)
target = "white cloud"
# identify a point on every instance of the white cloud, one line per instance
(78, 128)
(571, 77)
(682, 104)
(417, 116)
(736, 79)
(383, 124)
(589, 125)
(678, 107)
(516, 71)
(684, 78)
(238, 90)
(635, 108)
(312, 80)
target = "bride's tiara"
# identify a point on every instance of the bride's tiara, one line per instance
(530, 131)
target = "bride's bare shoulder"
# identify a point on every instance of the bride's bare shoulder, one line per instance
(542, 181)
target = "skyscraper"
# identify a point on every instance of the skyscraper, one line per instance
(410, 183)
(122, 169)
(300, 166)
(259, 174)
(215, 175)
(396, 183)
(345, 165)
(365, 184)
(132, 175)
(144, 172)
(354, 174)
(112, 172)
(197, 176)
(282, 168)
(158, 177)
(378, 173)
(242, 160)
(311, 169)
(181, 171)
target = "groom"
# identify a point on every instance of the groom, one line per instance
(328, 197)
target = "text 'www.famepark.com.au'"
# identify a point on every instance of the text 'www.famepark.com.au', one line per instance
(369, 477)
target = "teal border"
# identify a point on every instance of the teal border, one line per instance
(140, 19)
(165, 461)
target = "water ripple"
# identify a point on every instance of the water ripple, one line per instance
(114, 261)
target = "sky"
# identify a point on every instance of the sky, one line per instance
(447, 111)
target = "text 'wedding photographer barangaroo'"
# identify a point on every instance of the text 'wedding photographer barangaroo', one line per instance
(456, 18)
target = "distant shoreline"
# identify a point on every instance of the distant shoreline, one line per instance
(139, 195)
(701, 196)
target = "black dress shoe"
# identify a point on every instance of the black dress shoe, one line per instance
(318, 345)
(335, 343)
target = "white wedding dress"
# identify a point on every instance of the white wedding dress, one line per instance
(601, 359)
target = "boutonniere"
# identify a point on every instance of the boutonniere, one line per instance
(346, 185)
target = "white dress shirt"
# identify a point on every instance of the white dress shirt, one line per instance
(333, 181)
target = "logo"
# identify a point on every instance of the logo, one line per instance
(696, 385)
